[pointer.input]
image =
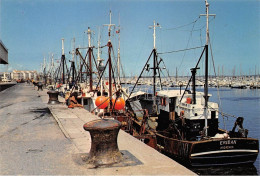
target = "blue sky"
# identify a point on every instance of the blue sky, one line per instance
(33, 29)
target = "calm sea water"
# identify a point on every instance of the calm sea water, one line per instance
(236, 102)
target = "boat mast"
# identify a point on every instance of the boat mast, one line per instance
(155, 66)
(109, 27)
(109, 44)
(206, 67)
(63, 61)
(118, 54)
(176, 79)
(100, 62)
(73, 62)
(89, 58)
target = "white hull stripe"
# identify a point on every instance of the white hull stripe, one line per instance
(222, 151)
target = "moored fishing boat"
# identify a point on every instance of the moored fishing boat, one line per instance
(181, 134)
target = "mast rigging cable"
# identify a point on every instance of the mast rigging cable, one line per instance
(180, 50)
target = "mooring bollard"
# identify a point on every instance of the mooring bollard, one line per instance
(53, 97)
(104, 149)
(39, 85)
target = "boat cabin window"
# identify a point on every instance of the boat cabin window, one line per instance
(172, 104)
(85, 101)
(105, 94)
(213, 114)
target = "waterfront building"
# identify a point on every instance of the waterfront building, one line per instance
(5, 77)
(18, 75)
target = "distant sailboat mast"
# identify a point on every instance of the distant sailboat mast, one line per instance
(44, 70)
(176, 79)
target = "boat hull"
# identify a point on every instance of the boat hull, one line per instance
(224, 152)
(213, 152)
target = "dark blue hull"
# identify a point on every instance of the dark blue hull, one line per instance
(224, 152)
(212, 152)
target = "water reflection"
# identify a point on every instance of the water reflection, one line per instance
(226, 170)
(231, 170)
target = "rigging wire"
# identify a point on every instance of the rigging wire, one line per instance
(160, 37)
(187, 44)
(220, 107)
(193, 22)
(198, 29)
(141, 50)
(167, 71)
(175, 28)
(180, 50)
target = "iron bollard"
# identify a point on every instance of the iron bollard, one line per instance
(104, 149)
(39, 85)
(53, 97)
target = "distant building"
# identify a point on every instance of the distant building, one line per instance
(3, 53)
(5, 76)
(18, 75)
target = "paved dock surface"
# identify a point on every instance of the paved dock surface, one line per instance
(5, 85)
(41, 139)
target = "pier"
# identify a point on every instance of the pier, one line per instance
(5, 85)
(42, 139)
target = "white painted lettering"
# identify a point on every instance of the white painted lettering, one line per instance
(228, 142)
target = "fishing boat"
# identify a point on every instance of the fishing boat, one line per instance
(106, 97)
(185, 132)
(183, 124)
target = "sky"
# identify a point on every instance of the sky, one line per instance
(32, 30)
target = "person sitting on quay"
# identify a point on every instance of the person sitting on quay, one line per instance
(71, 100)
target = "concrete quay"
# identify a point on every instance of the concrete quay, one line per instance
(5, 85)
(141, 159)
